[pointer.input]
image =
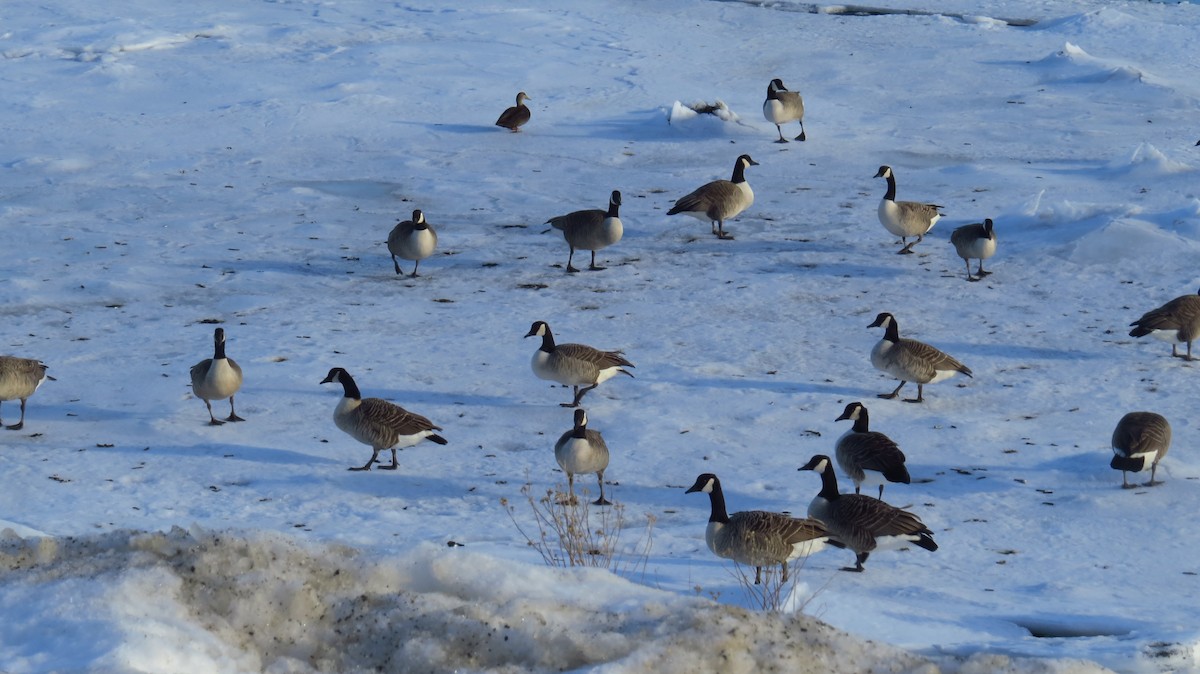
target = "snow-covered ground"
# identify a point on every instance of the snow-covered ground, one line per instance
(241, 163)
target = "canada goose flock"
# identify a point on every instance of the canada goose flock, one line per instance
(861, 523)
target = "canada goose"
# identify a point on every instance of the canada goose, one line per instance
(866, 455)
(377, 422)
(1175, 321)
(975, 242)
(412, 240)
(910, 360)
(862, 523)
(756, 537)
(590, 230)
(1138, 439)
(904, 218)
(719, 200)
(516, 116)
(574, 365)
(783, 106)
(217, 378)
(19, 378)
(582, 450)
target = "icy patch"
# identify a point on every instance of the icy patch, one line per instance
(1148, 160)
(1132, 239)
(1073, 65)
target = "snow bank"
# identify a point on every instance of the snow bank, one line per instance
(205, 601)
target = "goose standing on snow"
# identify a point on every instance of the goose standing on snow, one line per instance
(1140, 438)
(516, 116)
(217, 378)
(19, 378)
(719, 200)
(411, 240)
(582, 451)
(904, 219)
(975, 242)
(1176, 321)
(575, 365)
(756, 537)
(783, 106)
(866, 455)
(862, 523)
(377, 422)
(910, 360)
(590, 230)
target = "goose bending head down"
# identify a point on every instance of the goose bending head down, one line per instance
(576, 365)
(868, 456)
(582, 451)
(515, 117)
(719, 200)
(1174, 322)
(783, 106)
(862, 523)
(910, 360)
(756, 537)
(905, 219)
(19, 378)
(1140, 439)
(975, 242)
(377, 422)
(592, 230)
(217, 378)
(411, 240)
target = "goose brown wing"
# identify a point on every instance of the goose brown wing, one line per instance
(388, 421)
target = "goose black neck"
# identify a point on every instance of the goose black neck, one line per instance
(717, 500)
(891, 191)
(548, 341)
(580, 432)
(612, 209)
(892, 332)
(219, 349)
(739, 172)
(349, 388)
(829, 486)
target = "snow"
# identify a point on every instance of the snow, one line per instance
(239, 164)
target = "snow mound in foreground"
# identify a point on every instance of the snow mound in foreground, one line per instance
(202, 601)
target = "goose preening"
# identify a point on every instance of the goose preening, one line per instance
(910, 360)
(719, 200)
(862, 523)
(377, 422)
(575, 365)
(756, 537)
(582, 451)
(513, 118)
(975, 242)
(1140, 439)
(866, 455)
(783, 106)
(411, 240)
(592, 229)
(217, 378)
(1176, 321)
(904, 219)
(19, 378)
